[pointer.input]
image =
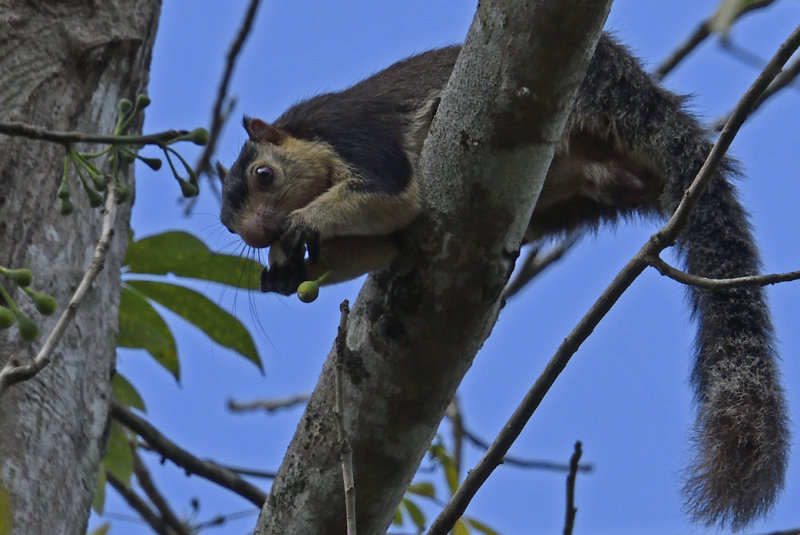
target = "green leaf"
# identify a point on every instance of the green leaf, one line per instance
(102, 529)
(451, 475)
(480, 526)
(119, 459)
(99, 500)
(460, 528)
(200, 311)
(6, 512)
(126, 393)
(416, 514)
(422, 489)
(186, 256)
(141, 327)
(398, 517)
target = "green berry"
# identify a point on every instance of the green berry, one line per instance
(142, 101)
(6, 317)
(66, 207)
(63, 190)
(152, 163)
(44, 303)
(21, 276)
(308, 291)
(188, 189)
(27, 328)
(199, 136)
(95, 199)
(123, 192)
(125, 105)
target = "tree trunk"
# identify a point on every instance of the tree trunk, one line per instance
(63, 65)
(413, 333)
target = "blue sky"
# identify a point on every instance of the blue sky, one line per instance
(625, 395)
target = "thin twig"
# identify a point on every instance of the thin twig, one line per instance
(659, 241)
(269, 405)
(700, 33)
(533, 464)
(535, 263)
(155, 497)
(784, 79)
(218, 117)
(718, 284)
(66, 138)
(156, 523)
(14, 373)
(569, 522)
(345, 451)
(187, 461)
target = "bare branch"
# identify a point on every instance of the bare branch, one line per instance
(525, 463)
(659, 241)
(697, 36)
(13, 372)
(187, 461)
(719, 284)
(66, 138)
(535, 263)
(784, 79)
(218, 117)
(149, 488)
(269, 405)
(140, 506)
(345, 450)
(569, 522)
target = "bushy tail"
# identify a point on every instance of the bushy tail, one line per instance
(741, 434)
(741, 429)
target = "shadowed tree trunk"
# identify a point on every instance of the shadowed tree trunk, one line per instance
(63, 65)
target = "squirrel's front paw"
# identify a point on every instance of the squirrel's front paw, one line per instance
(296, 238)
(283, 278)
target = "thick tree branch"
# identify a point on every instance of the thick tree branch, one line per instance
(190, 463)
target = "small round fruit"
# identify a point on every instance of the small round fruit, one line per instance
(45, 304)
(6, 318)
(308, 291)
(27, 328)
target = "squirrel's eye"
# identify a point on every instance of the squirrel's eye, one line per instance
(265, 175)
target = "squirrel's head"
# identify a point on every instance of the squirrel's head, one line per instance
(274, 175)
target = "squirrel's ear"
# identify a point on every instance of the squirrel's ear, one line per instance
(262, 132)
(221, 171)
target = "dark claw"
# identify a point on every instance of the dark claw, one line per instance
(297, 239)
(283, 278)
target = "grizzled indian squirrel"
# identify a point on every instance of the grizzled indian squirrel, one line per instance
(333, 177)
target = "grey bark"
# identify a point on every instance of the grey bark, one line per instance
(63, 65)
(414, 331)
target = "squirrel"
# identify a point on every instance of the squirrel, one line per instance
(330, 181)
